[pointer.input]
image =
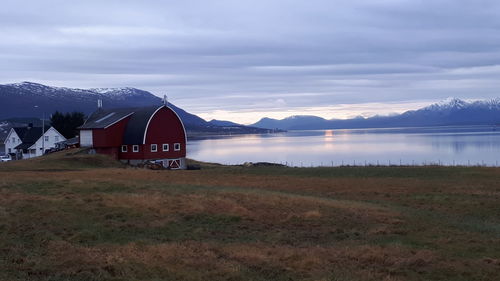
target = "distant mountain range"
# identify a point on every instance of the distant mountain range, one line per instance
(446, 113)
(27, 99)
(22, 100)
(223, 123)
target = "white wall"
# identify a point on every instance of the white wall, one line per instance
(11, 141)
(86, 138)
(53, 136)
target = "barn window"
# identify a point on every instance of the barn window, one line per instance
(165, 147)
(124, 148)
(135, 148)
(177, 146)
(154, 148)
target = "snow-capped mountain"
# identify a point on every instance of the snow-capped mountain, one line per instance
(454, 104)
(29, 99)
(447, 104)
(455, 112)
(449, 112)
(35, 89)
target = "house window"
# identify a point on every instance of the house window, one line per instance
(124, 148)
(165, 147)
(10, 150)
(154, 148)
(13, 140)
(56, 138)
(135, 148)
(46, 138)
(177, 146)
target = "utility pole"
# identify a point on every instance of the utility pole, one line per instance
(43, 134)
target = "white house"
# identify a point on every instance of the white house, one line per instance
(29, 142)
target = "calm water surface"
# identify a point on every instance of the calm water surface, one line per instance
(418, 146)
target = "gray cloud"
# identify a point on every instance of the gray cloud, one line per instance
(229, 55)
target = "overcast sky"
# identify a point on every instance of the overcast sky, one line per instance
(242, 60)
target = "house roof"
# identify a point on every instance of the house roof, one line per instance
(103, 118)
(137, 125)
(29, 134)
(24, 145)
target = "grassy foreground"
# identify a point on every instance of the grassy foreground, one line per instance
(85, 217)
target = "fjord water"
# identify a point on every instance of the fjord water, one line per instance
(471, 145)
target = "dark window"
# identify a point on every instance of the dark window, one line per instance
(135, 148)
(177, 146)
(154, 148)
(165, 147)
(124, 148)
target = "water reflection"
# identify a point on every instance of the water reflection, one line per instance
(328, 134)
(459, 145)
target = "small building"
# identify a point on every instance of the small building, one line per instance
(137, 135)
(28, 142)
(69, 143)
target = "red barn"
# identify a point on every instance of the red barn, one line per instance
(137, 135)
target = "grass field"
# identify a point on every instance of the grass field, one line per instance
(80, 217)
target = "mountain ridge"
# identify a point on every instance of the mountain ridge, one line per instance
(29, 99)
(452, 111)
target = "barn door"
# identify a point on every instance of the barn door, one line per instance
(174, 164)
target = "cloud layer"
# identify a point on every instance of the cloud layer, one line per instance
(215, 57)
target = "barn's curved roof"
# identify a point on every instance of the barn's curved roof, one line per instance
(137, 125)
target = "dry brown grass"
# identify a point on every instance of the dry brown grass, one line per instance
(228, 223)
(360, 262)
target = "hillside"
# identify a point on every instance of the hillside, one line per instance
(28, 100)
(84, 217)
(452, 112)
